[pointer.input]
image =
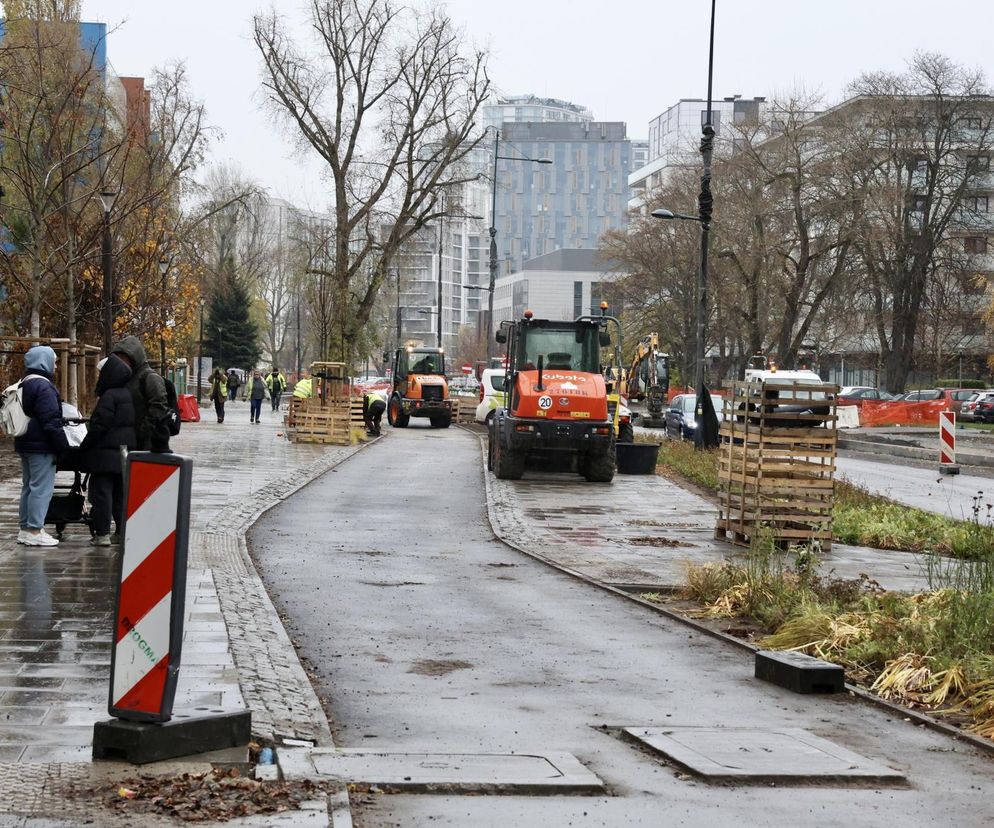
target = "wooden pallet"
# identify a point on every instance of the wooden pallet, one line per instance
(776, 468)
(308, 422)
(464, 410)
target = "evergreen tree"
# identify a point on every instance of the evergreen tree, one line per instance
(231, 337)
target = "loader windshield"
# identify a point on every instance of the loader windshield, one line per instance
(568, 348)
(427, 363)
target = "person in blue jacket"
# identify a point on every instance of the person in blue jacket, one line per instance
(40, 445)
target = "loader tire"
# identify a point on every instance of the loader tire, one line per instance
(443, 421)
(599, 468)
(508, 464)
(626, 433)
(395, 414)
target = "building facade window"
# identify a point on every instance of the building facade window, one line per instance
(975, 244)
(577, 299)
(977, 204)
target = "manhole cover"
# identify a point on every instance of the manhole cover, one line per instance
(752, 754)
(552, 772)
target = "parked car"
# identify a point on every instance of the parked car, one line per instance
(858, 394)
(462, 386)
(983, 408)
(968, 413)
(492, 394)
(954, 397)
(681, 416)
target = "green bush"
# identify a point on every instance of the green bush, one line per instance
(955, 383)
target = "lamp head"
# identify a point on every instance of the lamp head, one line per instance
(661, 213)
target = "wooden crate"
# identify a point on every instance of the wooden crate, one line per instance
(464, 409)
(777, 468)
(320, 424)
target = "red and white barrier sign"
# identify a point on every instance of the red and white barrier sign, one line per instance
(947, 438)
(148, 628)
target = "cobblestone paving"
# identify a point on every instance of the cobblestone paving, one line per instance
(56, 607)
(643, 530)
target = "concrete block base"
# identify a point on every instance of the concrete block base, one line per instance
(799, 673)
(948, 468)
(142, 742)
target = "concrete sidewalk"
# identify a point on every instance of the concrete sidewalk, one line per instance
(643, 531)
(57, 606)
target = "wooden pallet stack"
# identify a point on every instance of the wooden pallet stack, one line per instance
(332, 415)
(777, 467)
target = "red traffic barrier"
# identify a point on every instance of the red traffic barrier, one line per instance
(151, 587)
(189, 411)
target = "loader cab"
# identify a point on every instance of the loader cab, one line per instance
(416, 361)
(550, 346)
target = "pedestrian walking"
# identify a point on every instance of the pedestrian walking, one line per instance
(234, 381)
(219, 393)
(148, 392)
(257, 392)
(40, 445)
(276, 383)
(374, 403)
(112, 425)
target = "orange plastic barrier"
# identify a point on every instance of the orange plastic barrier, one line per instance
(898, 412)
(189, 411)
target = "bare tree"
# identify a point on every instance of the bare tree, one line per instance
(389, 103)
(918, 143)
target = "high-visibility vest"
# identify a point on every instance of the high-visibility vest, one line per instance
(303, 388)
(373, 396)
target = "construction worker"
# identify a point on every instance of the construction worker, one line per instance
(303, 388)
(276, 383)
(374, 403)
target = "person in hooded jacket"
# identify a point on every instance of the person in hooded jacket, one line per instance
(40, 445)
(112, 425)
(148, 392)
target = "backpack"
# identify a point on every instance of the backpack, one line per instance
(173, 418)
(13, 420)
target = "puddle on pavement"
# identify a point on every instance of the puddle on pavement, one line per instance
(438, 667)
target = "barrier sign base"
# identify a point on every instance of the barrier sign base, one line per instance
(142, 742)
(948, 468)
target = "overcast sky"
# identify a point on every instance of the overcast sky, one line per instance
(627, 60)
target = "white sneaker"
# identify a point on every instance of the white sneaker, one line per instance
(23, 535)
(40, 539)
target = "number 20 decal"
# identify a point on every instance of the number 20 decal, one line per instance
(545, 403)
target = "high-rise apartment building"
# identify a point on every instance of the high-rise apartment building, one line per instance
(675, 137)
(567, 204)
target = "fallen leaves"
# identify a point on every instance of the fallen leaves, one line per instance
(200, 797)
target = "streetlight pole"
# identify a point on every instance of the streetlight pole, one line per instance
(493, 251)
(493, 235)
(441, 235)
(107, 197)
(200, 354)
(164, 272)
(706, 434)
(400, 319)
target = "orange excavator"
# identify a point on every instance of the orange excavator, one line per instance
(558, 400)
(419, 388)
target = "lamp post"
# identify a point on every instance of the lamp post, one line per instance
(200, 354)
(706, 434)
(400, 318)
(107, 197)
(164, 273)
(220, 347)
(493, 234)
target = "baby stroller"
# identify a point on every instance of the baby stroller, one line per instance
(68, 504)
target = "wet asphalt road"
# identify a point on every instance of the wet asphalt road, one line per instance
(424, 632)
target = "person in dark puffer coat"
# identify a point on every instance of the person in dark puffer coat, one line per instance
(148, 391)
(40, 445)
(112, 425)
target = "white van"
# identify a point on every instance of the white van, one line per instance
(492, 394)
